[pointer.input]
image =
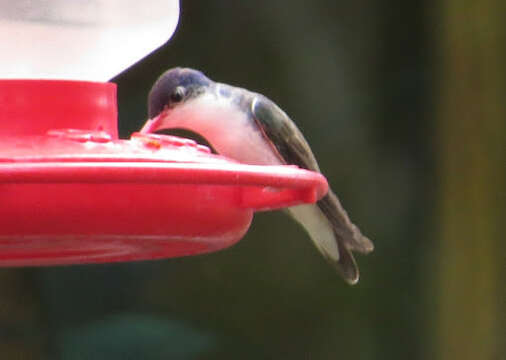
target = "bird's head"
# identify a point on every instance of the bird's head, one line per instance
(174, 88)
(167, 102)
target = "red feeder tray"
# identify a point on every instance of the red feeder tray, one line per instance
(72, 192)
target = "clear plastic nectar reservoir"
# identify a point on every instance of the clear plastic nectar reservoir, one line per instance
(80, 39)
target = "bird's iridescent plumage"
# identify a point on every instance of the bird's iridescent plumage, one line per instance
(250, 128)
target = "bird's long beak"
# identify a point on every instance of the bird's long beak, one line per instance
(154, 124)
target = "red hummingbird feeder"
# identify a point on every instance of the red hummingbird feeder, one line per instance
(71, 191)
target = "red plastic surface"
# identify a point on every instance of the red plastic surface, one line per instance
(72, 192)
(32, 107)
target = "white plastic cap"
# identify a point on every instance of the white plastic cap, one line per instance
(81, 39)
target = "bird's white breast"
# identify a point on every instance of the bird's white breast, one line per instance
(225, 127)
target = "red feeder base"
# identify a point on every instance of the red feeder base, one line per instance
(73, 193)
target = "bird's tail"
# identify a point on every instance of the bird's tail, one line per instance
(334, 234)
(347, 236)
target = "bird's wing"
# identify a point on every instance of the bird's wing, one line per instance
(291, 146)
(283, 134)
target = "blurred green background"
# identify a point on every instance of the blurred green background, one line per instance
(404, 105)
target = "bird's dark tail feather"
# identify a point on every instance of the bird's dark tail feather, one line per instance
(345, 230)
(348, 237)
(346, 265)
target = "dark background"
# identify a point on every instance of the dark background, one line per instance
(391, 95)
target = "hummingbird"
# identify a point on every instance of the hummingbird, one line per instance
(250, 128)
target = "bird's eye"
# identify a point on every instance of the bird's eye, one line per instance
(178, 94)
